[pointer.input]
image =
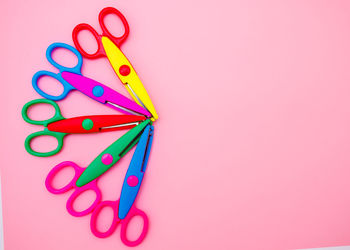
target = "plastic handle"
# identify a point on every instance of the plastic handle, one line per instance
(125, 222)
(59, 137)
(66, 86)
(71, 185)
(84, 26)
(48, 182)
(57, 116)
(93, 222)
(117, 40)
(78, 191)
(76, 69)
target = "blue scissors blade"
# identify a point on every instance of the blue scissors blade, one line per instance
(136, 170)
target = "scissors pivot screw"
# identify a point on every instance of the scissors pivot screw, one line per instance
(87, 124)
(98, 91)
(107, 159)
(124, 70)
(132, 181)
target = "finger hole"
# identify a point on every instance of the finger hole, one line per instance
(135, 228)
(114, 25)
(63, 178)
(105, 219)
(84, 200)
(50, 85)
(40, 112)
(64, 57)
(88, 42)
(44, 144)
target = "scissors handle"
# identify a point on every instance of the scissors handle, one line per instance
(59, 137)
(93, 222)
(84, 26)
(125, 222)
(57, 116)
(66, 86)
(52, 174)
(117, 40)
(76, 69)
(105, 32)
(71, 185)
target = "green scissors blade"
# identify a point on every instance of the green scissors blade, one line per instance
(112, 154)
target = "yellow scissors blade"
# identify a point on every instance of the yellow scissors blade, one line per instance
(128, 76)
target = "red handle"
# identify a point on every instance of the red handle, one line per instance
(100, 51)
(117, 40)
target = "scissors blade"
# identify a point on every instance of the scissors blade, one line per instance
(128, 76)
(135, 173)
(95, 123)
(112, 154)
(103, 94)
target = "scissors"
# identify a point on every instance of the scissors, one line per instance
(58, 126)
(112, 154)
(131, 186)
(108, 46)
(72, 79)
(124, 209)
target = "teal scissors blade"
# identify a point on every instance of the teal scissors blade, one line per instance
(112, 154)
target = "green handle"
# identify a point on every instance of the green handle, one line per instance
(56, 117)
(59, 137)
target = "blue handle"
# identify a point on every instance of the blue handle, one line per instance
(136, 170)
(76, 69)
(66, 86)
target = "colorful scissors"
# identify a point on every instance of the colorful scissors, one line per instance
(58, 126)
(72, 79)
(135, 173)
(124, 209)
(125, 206)
(108, 46)
(112, 154)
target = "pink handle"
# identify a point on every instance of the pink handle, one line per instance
(48, 182)
(132, 213)
(124, 223)
(114, 205)
(78, 190)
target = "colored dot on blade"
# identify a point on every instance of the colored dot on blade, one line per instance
(124, 70)
(132, 180)
(87, 124)
(107, 159)
(98, 91)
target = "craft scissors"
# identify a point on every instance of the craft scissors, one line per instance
(108, 46)
(72, 79)
(131, 186)
(58, 126)
(124, 209)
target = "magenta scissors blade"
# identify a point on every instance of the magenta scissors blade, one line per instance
(104, 94)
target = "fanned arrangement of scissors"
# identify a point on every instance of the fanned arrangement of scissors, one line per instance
(138, 116)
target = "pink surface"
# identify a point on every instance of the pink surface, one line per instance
(251, 150)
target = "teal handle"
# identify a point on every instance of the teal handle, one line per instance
(56, 117)
(59, 137)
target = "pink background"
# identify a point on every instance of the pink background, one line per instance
(251, 150)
